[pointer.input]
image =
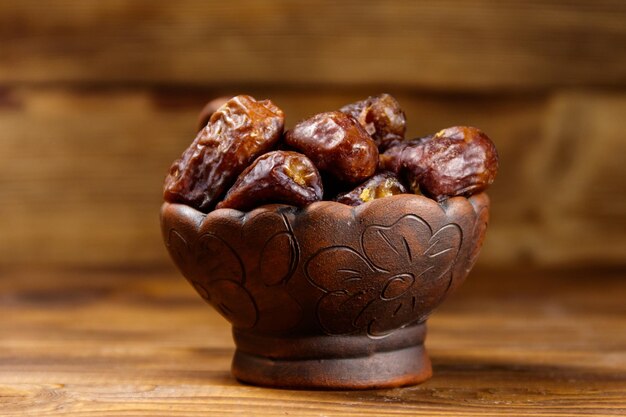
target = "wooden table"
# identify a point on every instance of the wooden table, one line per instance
(141, 343)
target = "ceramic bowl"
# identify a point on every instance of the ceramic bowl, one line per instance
(329, 296)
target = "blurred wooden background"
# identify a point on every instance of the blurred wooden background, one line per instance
(98, 97)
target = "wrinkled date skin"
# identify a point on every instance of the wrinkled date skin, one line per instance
(456, 161)
(208, 110)
(405, 159)
(276, 177)
(381, 185)
(337, 145)
(236, 134)
(382, 118)
(461, 161)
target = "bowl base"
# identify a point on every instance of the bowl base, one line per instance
(333, 362)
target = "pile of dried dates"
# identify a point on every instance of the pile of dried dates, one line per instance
(242, 158)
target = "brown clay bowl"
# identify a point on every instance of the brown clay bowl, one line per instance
(329, 296)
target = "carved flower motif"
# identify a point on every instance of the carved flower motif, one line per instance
(244, 284)
(400, 274)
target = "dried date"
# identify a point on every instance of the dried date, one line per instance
(381, 185)
(276, 177)
(405, 159)
(337, 145)
(382, 118)
(208, 110)
(236, 134)
(460, 160)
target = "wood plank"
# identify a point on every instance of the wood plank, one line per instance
(579, 175)
(81, 171)
(97, 342)
(449, 45)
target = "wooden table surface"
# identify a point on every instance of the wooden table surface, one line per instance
(141, 343)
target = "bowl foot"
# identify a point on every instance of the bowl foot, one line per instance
(333, 362)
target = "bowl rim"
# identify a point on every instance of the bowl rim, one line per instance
(475, 200)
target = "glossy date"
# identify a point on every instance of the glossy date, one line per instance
(381, 116)
(208, 110)
(384, 184)
(276, 177)
(237, 133)
(460, 160)
(337, 145)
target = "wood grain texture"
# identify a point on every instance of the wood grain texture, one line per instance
(119, 343)
(450, 45)
(81, 170)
